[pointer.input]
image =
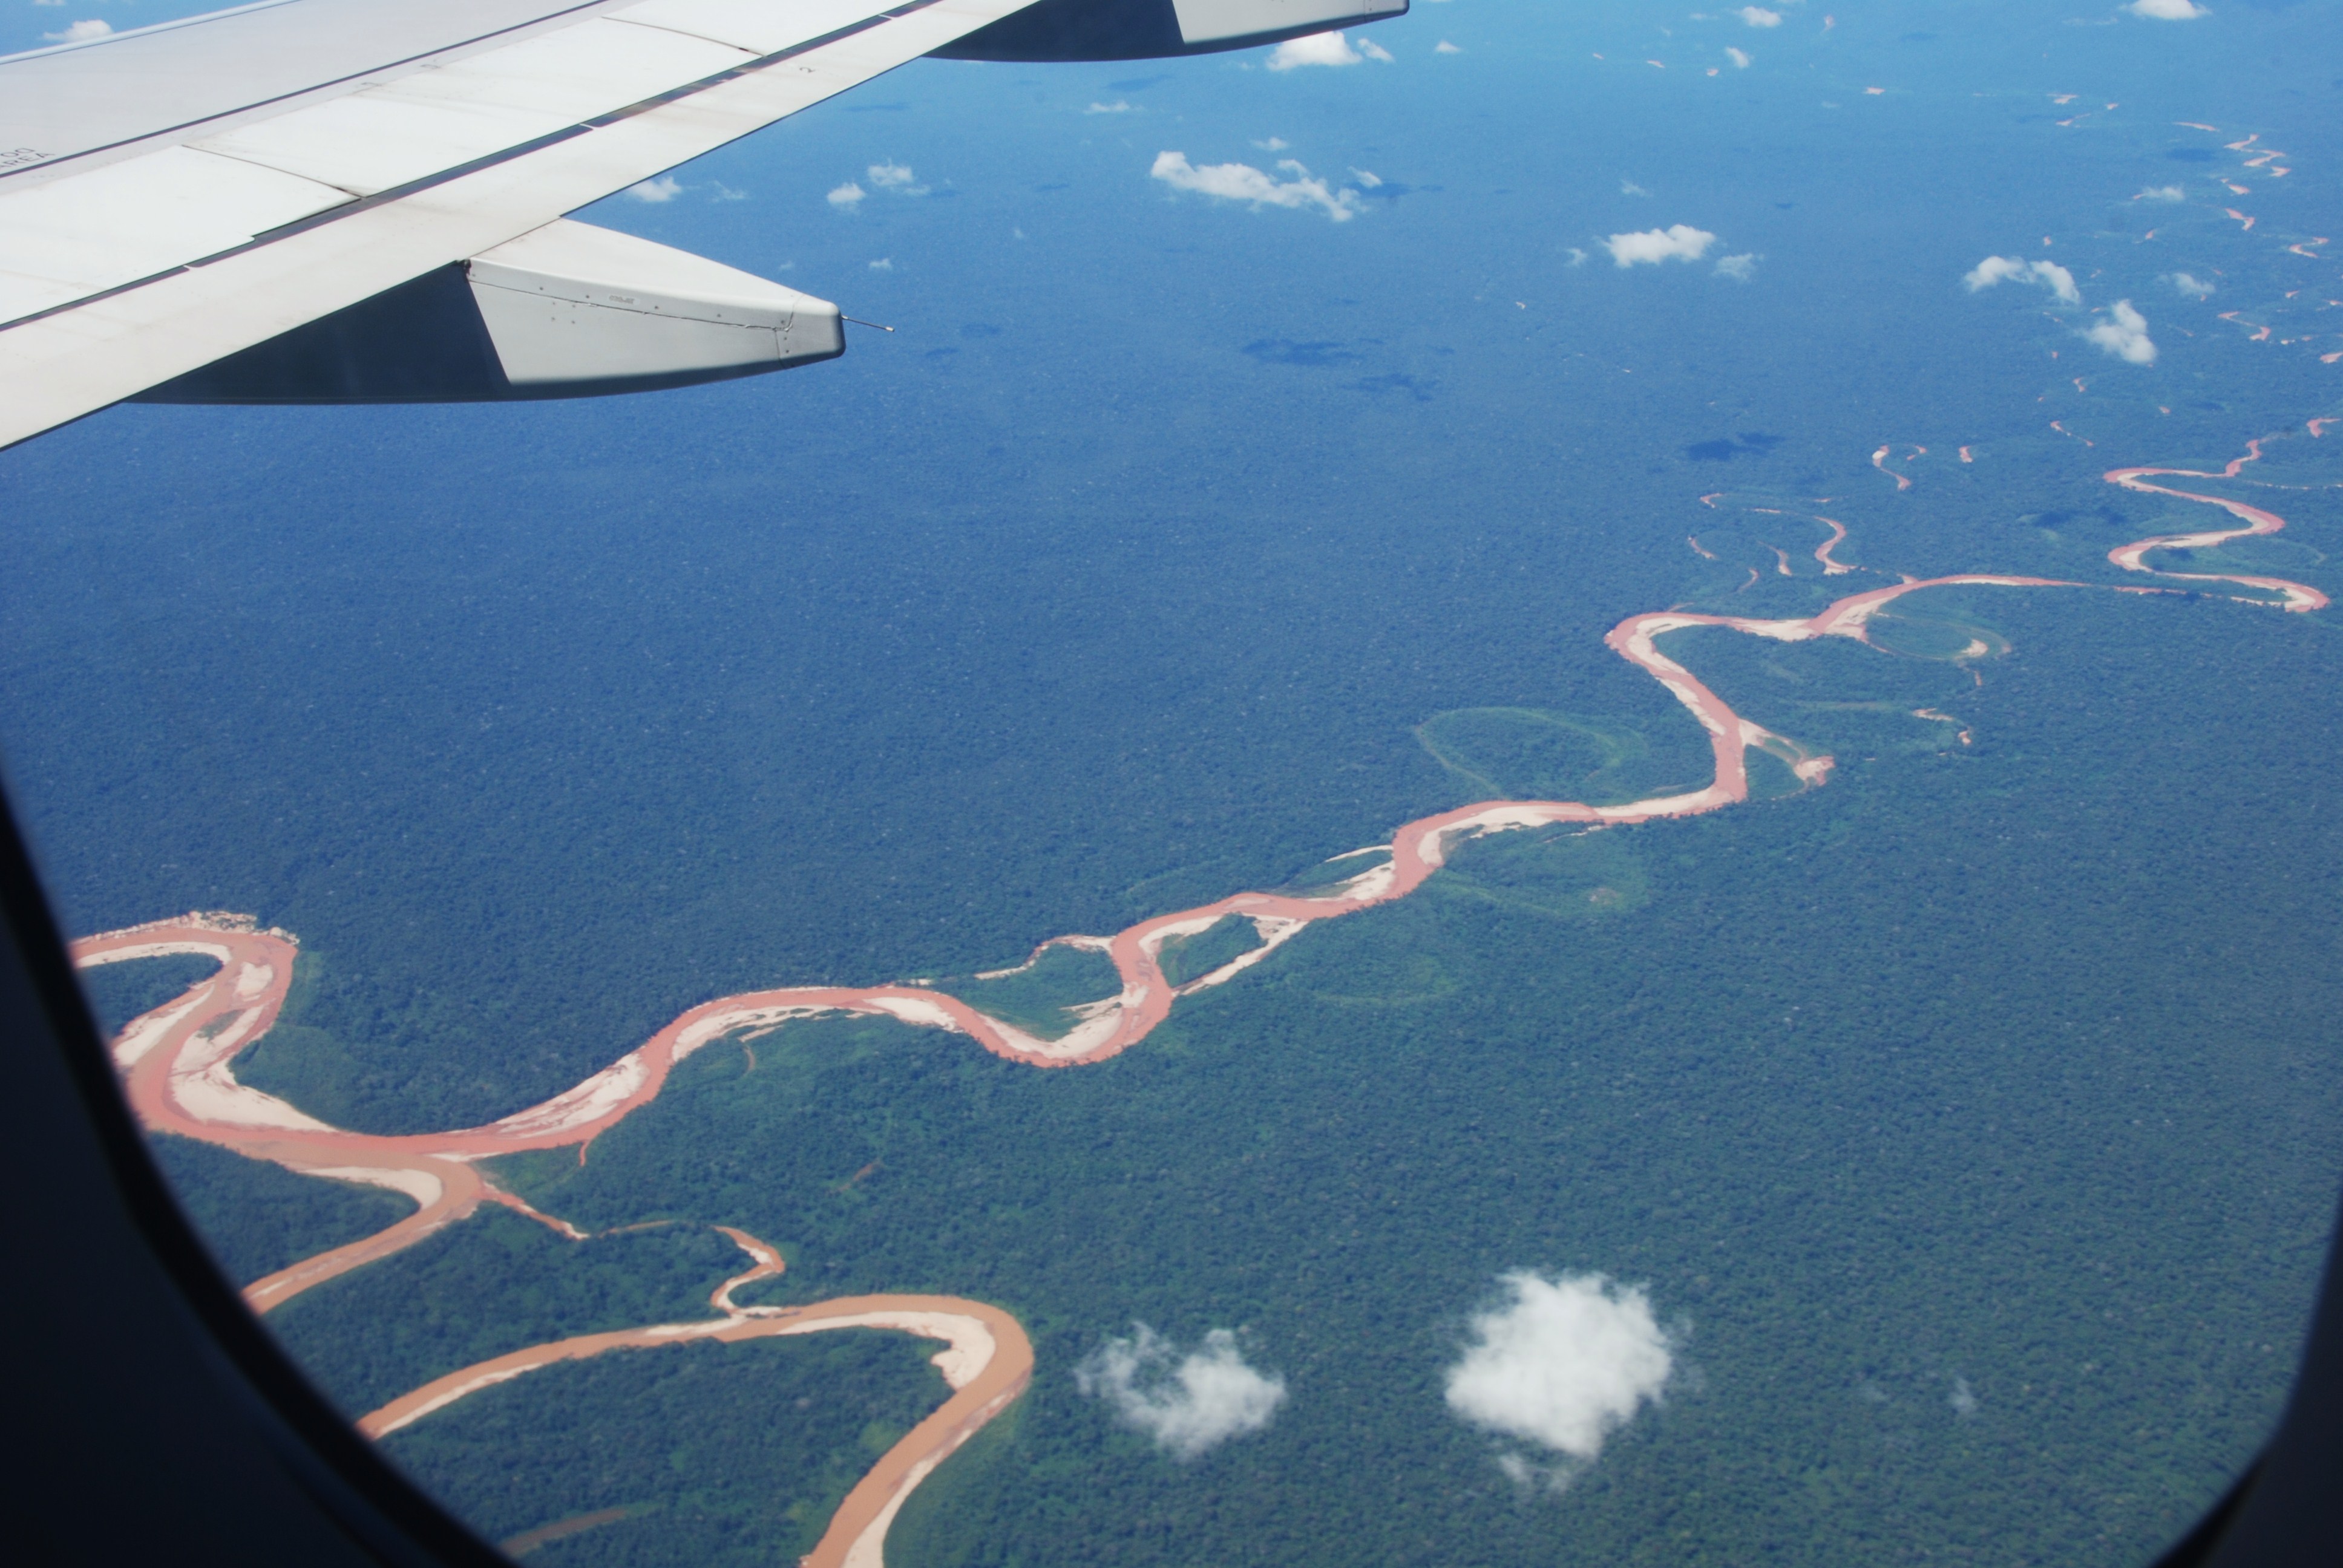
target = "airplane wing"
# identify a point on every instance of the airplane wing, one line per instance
(362, 200)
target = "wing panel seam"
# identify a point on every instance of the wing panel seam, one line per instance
(247, 159)
(302, 93)
(503, 154)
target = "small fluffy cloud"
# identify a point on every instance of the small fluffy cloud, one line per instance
(2124, 334)
(1242, 182)
(894, 176)
(1561, 1362)
(1758, 17)
(1186, 1404)
(663, 189)
(2061, 281)
(1995, 269)
(2162, 193)
(845, 194)
(1740, 268)
(1117, 107)
(1446, 47)
(2167, 10)
(884, 264)
(2195, 287)
(1740, 57)
(1677, 242)
(82, 32)
(1324, 49)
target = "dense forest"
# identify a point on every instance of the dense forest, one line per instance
(727, 1455)
(1944, 1077)
(259, 1218)
(119, 992)
(1025, 642)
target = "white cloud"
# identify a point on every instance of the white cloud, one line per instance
(663, 189)
(726, 193)
(1629, 187)
(1210, 1396)
(1758, 17)
(1367, 178)
(845, 194)
(1677, 242)
(1117, 107)
(884, 264)
(2124, 335)
(1741, 58)
(1740, 268)
(2194, 287)
(2162, 193)
(2061, 281)
(1963, 1398)
(1274, 144)
(1995, 269)
(1446, 47)
(1242, 182)
(2167, 10)
(1324, 49)
(1562, 1362)
(894, 176)
(1577, 256)
(82, 32)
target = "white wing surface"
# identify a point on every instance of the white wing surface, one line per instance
(170, 197)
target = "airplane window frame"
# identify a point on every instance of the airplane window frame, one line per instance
(285, 1445)
(92, 1197)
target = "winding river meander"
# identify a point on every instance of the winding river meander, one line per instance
(177, 1060)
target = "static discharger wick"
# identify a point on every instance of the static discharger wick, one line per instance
(860, 322)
